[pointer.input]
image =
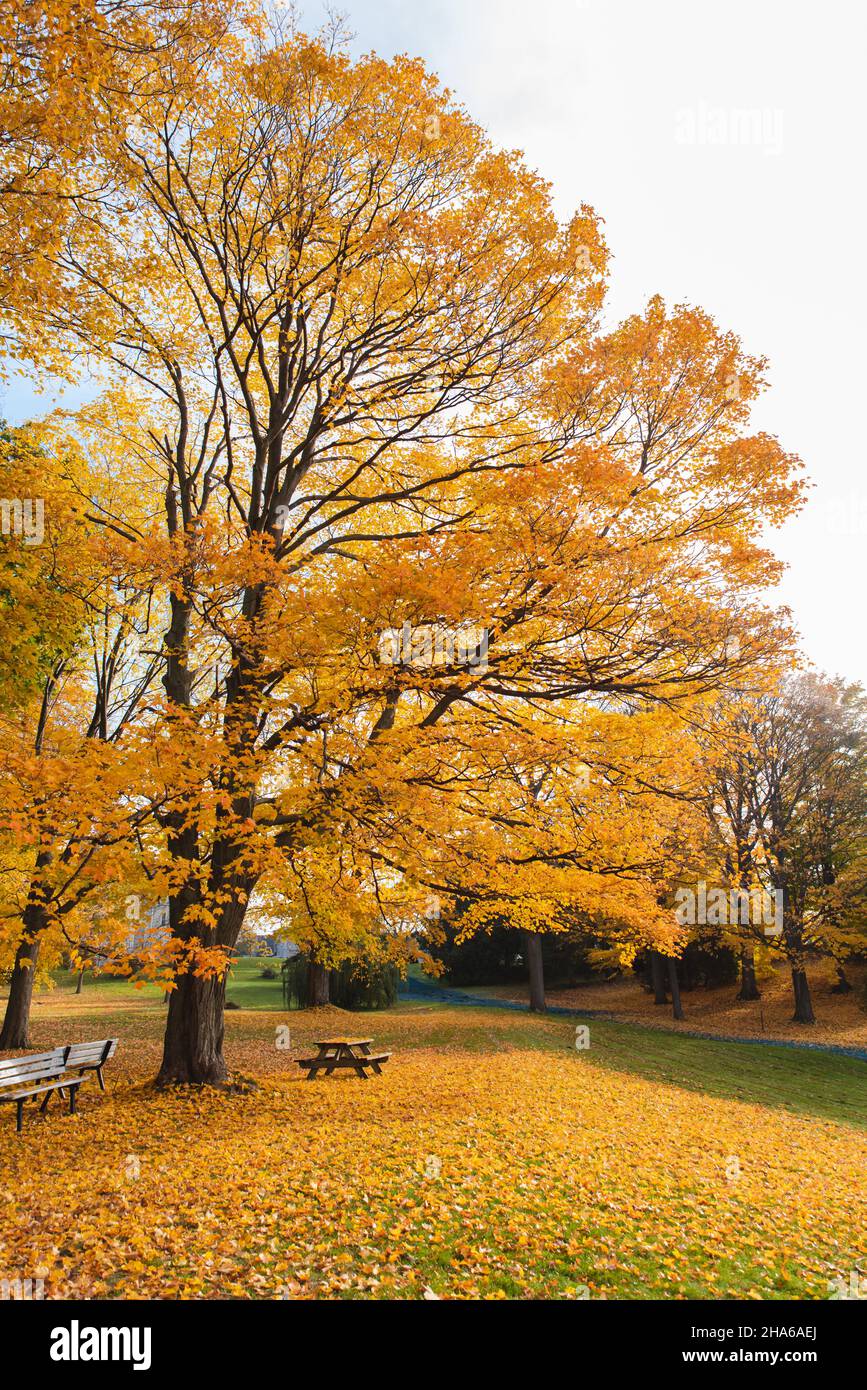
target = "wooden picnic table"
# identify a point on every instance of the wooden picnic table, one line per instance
(339, 1053)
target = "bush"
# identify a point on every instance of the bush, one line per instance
(357, 986)
(364, 987)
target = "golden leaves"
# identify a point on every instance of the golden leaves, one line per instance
(555, 1173)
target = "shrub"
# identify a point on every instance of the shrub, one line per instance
(357, 986)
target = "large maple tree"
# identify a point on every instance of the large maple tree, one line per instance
(360, 380)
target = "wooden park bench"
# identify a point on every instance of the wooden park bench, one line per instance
(90, 1056)
(40, 1074)
(338, 1053)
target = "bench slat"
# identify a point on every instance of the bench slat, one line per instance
(59, 1084)
(21, 1065)
(30, 1078)
(18, 1075)
(78, 1054)
(36, 1059)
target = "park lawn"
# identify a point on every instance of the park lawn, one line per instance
(492, 1159)
(248, 990)
(246, 987)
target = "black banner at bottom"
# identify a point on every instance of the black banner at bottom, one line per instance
(82, 1341)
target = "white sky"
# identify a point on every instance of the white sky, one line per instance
(764, 227)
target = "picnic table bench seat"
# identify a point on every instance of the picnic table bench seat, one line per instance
(40, 1074)
(370, 1060)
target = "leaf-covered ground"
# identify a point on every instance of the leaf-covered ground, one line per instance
(841, 1019)
(492, 1159)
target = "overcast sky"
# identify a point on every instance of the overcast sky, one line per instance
(721, 144)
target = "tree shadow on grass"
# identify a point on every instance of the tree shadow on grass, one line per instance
(802, 1081)
(799, 1080)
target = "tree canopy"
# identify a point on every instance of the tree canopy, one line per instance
(442, 574)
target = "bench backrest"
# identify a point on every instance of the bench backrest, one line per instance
(39, 1066)
(90, 1054)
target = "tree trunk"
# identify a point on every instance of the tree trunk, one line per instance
(533, 948)
(318, 986)
(674, 985)
(803, 1003)
(657, 978)
(193, 1043)
(79, 982)
(16, 1023)
(749, 989)
(842, 986)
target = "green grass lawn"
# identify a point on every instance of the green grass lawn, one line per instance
(246, 988)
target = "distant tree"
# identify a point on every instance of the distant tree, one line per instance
(789, 802)
(75, 679)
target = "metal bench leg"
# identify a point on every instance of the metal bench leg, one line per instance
(44, 1106)
(19, 1118)
(73, 1098)
(99, 1078)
